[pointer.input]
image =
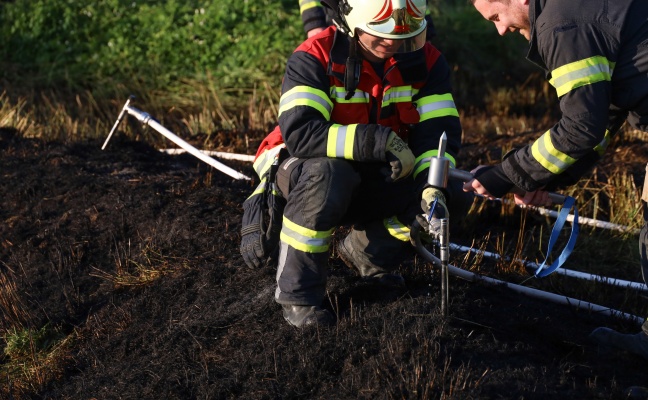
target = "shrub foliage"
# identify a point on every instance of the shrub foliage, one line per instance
(238, 44)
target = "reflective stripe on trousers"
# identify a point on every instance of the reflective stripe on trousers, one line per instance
(322, 194)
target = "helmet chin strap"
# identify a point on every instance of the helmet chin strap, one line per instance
(352, 70)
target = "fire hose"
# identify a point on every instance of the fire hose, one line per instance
(146, 119)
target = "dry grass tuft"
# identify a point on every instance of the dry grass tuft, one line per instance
(140, 269)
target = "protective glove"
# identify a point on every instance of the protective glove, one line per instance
(251, 247)
(428, 197)
(400, 158)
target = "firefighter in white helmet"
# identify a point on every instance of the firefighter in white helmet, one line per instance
(363, 106)
(315, 18)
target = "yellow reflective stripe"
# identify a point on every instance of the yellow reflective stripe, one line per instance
(397, 229)
(306, 96)
(581, 73)
(340, 141)
(259, 189)
(306, 4)
(600, 148)
(266, 159)
(304, 239)
(423, 161)
(397, 94)
(436, 105)
(339, 95)
(544, 152)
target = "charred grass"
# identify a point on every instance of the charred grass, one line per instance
(120, 278)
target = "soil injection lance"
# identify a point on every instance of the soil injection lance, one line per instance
(438, 175)
(146, 119)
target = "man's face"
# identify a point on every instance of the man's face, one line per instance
(377, 49)
(507, 15)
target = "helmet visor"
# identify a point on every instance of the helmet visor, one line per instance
(386, 47)
(400, 23)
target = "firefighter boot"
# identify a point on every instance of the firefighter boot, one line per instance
(305, 316)
(359, 262)
(634, 343)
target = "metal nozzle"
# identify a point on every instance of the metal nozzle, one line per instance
(439, 165)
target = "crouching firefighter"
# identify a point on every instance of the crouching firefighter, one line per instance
(363, 106)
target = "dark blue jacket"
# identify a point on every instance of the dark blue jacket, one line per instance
(595, 54)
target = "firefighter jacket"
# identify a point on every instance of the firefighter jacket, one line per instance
(312, 14)
(410, 95)
(595, 54)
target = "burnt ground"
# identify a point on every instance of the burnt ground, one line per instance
(128, 260)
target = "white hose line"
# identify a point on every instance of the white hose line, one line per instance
(219, 154)
(581, 220)
(542, 295)
(531, 292)
(562, 271)
(194, 151)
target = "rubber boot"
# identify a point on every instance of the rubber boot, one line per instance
(369, 271)
(634, 343)
(305, 316)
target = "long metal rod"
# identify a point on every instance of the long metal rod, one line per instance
(444, 252)
(121, 116)
(466, 176)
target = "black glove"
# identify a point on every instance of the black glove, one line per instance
(252, 246)
(253, 226)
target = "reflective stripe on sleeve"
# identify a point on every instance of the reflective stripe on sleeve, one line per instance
(436, 105)
(307, 4)
(423, 161)
(306, 96)
(266, 159)
(600, 148)
(550, 157)
(340, 141)
(581, 73)
(259, 189)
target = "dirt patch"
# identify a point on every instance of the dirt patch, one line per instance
(132, 255)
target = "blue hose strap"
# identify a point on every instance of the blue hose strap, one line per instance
(569, 202)
(432, 208)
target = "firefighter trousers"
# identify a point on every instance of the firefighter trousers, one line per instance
(323, 194)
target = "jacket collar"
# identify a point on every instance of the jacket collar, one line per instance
(535, 9)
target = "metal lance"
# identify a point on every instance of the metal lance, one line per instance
(438, 177)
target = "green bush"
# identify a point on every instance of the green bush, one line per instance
(86, 44)
(117, 47)
(482, 61)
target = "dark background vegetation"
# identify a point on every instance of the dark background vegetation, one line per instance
(119, 269)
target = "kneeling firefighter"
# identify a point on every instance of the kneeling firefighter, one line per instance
(363, 106)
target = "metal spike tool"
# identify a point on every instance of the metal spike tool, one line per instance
(438, 175)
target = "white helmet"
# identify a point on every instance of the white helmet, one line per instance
(389, 19)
